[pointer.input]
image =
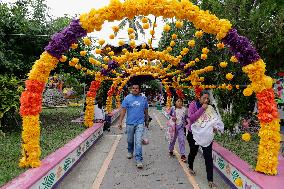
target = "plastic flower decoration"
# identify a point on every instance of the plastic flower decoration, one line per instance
(111, 36)
(144, 20)
(199, 34)
(234, 59)
(115, 28)
(174, 36)
(121, 42)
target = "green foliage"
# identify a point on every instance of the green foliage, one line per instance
(260, 21)
(11, 89)
(102, 93)
(247, 151)
(56, 130)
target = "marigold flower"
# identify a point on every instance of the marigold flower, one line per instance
(111, 36)
(74, 46)
(220, 45)
(229, 76)
(144, 20)
(167, 28)
(121, 42)
(63, 58)
(247, 91)
(191, 43)
(246, 137)
(199, 34)
(179, 24)
(83, 53)
(223, 64)
(146, 26)
(101, 41)
(115, 28)
(172, 43)
(87, 41)
(203, 56)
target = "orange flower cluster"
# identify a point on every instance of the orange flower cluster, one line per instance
(267, 106)
(197, 90)
(180, 93)
(31, 98)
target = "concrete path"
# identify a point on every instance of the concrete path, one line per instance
(105, 166)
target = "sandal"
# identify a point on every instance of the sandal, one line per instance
(212, 185)
(191, 172)
(171, 154)
(183, 158)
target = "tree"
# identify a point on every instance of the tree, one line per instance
(135, 24)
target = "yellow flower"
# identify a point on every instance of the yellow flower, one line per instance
(98, 51)
(205, 50)
(233, 59)
(172, 43)
(229, 76)
(146, 25)
(246, 137)
(132, 36)
(196, 60)
(78, 66)
(121, 42)
(199, 34)
(115, 28)
(237, 86)
(169, 49)
(74, 46)
(239, 182)
(174, 36)
(75, 60)
(179, 24)
(247, 91)
(87, 41)
(167, 28)
(220, 45)
(155, 25)
(152, 32)
(108, 48)
(63, 58)
(111, 36)
(223, 64)
(83, 53)
(203, 56)
(229, 87)
(111, 53)
(124, 50)
(144, 45)
(132, 43)
(191, 43)
(101, 41)
(130, 30)
(144, 20)
(106, 59)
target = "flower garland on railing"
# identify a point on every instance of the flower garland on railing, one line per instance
(261, 84)
(90, 100)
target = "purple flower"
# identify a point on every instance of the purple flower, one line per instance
(241, 47)
(104, 72)
(181, 65)
(61, 41)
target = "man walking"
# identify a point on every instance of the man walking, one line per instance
(136, 107)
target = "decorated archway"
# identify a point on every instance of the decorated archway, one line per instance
(240, 46)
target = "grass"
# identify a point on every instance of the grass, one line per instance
(247, 151)
(56, 130)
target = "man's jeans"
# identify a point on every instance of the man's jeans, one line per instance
(134, 135)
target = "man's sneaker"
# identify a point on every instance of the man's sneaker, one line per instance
(139, 165)
(171, 154)
(129, 155)
(183, 158)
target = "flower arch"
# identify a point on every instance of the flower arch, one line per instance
(247, 56)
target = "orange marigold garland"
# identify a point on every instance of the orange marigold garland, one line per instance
(269, 133)
(90, 100)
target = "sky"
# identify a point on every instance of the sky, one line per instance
(59, 8)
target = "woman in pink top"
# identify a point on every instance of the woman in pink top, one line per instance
(195, 110)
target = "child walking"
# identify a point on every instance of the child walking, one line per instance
(178, 117)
